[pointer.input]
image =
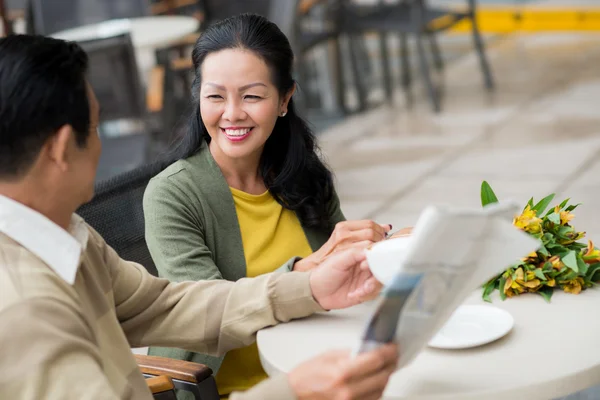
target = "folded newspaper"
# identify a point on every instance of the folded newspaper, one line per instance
(451, 253)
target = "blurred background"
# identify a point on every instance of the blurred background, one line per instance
(412, 102)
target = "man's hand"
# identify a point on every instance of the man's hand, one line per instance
(343, 280)
(334, 375)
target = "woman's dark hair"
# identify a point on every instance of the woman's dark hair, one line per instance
(290, 166)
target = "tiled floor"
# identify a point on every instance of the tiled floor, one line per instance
(538, 133)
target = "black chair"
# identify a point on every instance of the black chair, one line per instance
(113, 74)
(117, 213)
(416, 18)
(51, 16)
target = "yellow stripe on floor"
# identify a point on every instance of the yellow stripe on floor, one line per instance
(528, 19)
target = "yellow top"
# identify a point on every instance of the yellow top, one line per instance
(271, 235)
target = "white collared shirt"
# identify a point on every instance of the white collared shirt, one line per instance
(60, 249)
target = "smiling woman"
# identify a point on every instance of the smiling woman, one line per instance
(249, 194)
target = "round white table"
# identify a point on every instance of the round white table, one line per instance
(147, 34)
(145, 31)
(552, 350)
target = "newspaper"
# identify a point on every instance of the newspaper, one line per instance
(451, 253)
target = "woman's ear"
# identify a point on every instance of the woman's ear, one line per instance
(287, 97)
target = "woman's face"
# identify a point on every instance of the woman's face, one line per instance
(239, 104)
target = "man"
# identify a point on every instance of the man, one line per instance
(70, 308)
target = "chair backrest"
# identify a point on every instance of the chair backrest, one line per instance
(51, 16)
(113, 73)
(216, 10)
(117, 213)
(281, 12)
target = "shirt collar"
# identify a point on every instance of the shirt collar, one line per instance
(60, 249)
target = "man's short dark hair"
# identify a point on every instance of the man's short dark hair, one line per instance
(42, 87)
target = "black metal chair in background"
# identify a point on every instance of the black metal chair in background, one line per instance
(125, 135)
(117, 213)
(414, 18)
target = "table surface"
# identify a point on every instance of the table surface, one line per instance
(145, 31)
(551, 351)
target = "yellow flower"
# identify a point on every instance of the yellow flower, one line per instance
(572, 237)
(592, 255)
(528, 221)
(551, 282)
(512, 288)
(532, 282)
(530, 256)
(566, 217)
(573, 286)
(556, 262)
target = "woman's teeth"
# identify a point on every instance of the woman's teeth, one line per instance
(237, 132)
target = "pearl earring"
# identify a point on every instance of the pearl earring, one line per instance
(283, 113)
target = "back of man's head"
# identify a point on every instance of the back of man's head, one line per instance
(42, 88)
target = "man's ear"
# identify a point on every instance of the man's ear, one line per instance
(58, 145)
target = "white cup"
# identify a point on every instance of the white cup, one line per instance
(385, 258)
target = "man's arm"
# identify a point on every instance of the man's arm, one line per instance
(48, 353)
(210, 317)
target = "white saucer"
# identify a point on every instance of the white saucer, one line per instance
(471, 326)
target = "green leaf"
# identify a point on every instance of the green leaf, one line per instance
(581, 266)
(572, 207)
(530, 203)
(538, 272)
(546, 293)
(487, 194)
(543, 251)
(570, 261)
(501, 283)
(554, 218)
(543, 203)
(487, 290)
(568, 276)
(563, 204)
(593, 273)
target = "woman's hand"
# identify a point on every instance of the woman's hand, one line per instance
(347, 234)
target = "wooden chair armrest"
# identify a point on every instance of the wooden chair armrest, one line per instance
(164, 6)
(187, 40)
(155, 91)
(159, 384)
(180, 64)
(305, 6)
(175, 369)
(14, 15)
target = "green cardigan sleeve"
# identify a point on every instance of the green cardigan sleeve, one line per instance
(175, 238)
(175, 235)
(335, 211)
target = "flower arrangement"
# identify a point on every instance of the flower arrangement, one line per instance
(561, 262)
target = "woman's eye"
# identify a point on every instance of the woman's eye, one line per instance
(214, 96)
(252, 97)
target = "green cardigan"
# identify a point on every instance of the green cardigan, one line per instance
(193, 234)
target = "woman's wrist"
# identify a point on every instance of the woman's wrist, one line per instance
(306, 264)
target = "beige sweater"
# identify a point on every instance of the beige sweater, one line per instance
(61, 341)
